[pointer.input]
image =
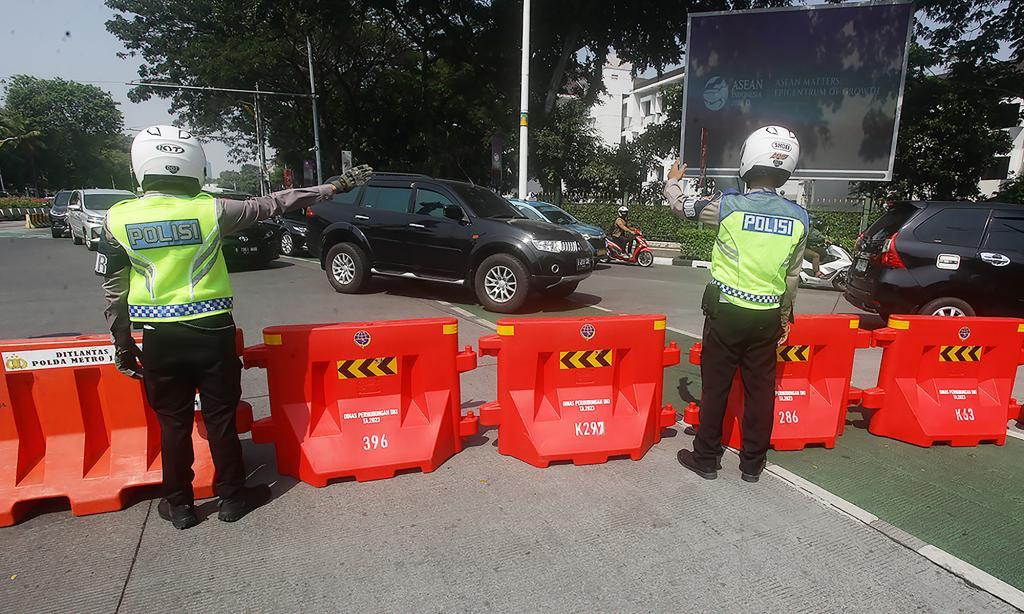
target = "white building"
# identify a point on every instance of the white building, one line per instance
(1011, 165)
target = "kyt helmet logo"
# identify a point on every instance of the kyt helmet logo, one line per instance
(171, 149)
(172, 169)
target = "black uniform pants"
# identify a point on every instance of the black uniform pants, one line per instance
(745, 339)
(178, 359)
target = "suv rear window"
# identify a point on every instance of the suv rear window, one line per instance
(104, 200)
(890, 222)
(958, 227)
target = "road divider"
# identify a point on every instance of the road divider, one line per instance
(946, 380)
(579, 389)
(72, 426)
(812, 384)
(363, 400)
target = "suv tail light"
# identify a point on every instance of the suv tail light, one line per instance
(309, 212)
(890, 257)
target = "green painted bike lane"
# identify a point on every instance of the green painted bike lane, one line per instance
(966, 501)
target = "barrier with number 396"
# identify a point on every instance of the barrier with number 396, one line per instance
(363, 400)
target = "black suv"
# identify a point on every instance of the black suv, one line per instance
(941, 258)
(448, 231)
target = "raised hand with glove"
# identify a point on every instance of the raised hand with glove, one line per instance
(352, 178)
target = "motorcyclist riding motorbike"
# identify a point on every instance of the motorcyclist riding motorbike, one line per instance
(621, 232)
(817, 242)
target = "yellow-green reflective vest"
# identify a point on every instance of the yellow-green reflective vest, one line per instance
(177, 267)
(758, 234)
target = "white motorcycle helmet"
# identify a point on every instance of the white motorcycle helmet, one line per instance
(168, 151)
(623, 211)
(771, 151)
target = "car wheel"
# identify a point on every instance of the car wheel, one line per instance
(287, 244)
(74, 238)
(348, 268)
(645, 259)
(502, 283)
(947, 307)
(561, 291)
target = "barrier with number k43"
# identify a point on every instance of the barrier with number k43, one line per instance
(812, 384)
(946, 380)
(363, 400)
(579, 389)
(72, 426)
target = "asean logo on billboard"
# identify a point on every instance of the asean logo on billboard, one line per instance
(716, 93)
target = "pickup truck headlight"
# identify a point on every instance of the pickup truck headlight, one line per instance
(554, 246)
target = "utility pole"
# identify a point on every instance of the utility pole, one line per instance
(524, 102)
(316, 117)
(259, 142)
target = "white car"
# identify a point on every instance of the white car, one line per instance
(86, 211)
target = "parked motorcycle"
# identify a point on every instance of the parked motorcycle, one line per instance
(640, 254)
(835, 267)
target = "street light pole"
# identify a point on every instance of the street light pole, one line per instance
(316, 118)
(524, 101)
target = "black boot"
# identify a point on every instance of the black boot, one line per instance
(247, 500)
(687, 460)
(181, 516)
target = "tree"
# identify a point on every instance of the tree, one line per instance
(77, 128)
(246, 179)
(565, 146)
(1011, 192)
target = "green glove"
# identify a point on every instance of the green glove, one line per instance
(352, 178)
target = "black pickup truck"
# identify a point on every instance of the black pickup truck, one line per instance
(444, 231)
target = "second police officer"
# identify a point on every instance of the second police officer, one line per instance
(748, 305)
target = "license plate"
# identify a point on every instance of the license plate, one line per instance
(861, 266)
(248, 250)
(583, 264)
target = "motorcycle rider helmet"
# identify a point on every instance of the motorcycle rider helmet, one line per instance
(623, 212)
(168, 153)
(769, 153)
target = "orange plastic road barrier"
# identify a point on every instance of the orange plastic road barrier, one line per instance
(812, 385)
(363, 400)
(71, 426)
(579, 389)
(946, 380)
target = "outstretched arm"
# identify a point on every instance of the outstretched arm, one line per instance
(693, 209)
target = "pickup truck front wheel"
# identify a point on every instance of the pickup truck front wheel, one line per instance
(502, 283)
(348, 268)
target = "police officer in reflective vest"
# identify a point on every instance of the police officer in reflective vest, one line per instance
(164, 271)
(748, 306)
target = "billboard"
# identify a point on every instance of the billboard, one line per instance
(833, 74)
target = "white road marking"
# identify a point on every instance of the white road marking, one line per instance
(683, 332)
(600, 308)
(972, 575)
(305, 261)
(1015, 434)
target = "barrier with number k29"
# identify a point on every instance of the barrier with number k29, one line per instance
(72, 426)
(946, 380)
(812, 389)
(363, 400)
(579, 389)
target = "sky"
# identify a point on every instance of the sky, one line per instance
(68, 39)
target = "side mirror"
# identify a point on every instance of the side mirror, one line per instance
(454, 212)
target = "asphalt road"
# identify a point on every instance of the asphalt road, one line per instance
(482, 533)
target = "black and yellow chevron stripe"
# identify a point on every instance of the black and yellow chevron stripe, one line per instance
(960, 353)
(793, 353)
(585, 359)
(367, 367)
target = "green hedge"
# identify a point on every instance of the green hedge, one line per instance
(17, 201)
(659, 224)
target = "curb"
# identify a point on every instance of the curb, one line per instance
(696, 264)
